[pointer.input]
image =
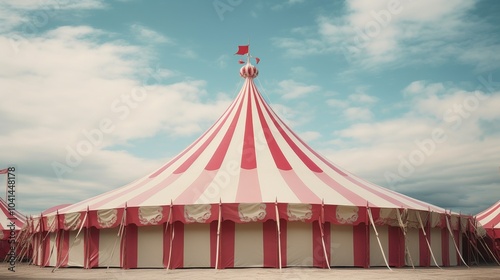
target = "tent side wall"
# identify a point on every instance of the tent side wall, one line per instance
(248, 245)
(251, 244)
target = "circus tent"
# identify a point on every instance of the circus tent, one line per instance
(11, 222)
(249, 192)
(489, 227)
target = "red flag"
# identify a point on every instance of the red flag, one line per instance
(4, 171)
(242, 50)
(257, 60)
(241, 61)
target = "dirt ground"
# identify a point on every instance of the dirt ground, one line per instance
(24, 271)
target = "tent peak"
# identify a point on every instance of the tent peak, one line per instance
(249, 71)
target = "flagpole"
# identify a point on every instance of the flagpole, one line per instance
(248, 54)
(245, 50)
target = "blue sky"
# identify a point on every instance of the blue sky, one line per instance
(404, 93)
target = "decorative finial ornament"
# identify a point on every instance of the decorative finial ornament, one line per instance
(248, 70)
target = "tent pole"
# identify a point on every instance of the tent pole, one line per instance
(53, 245)
(172, 228)
(485, 246)
(405, 229)
(279, 232)
(218, 237)
(453, 238)
(118, 237)
(72, 243)
(460, 235)
(87, 236)
(426, 239)
(378, 239)
(41, 239)
(480, 240)
(321, 223)
(25, 242)
(478, 252)
(123, 240)
(21, 240)
(171, 237)
(166, 225)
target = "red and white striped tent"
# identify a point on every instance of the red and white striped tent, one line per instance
(489, 219)
(489, 224)
(7, 218)
(249, 193)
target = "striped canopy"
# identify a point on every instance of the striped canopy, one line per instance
(489, 219)
(247, 193)
(250, 156)
(6, 218)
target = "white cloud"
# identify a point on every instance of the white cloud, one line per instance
(291, 89)
(294, 116)
(423, 87)
(450, 153)
(32, 15)
(60, 86)
(355, 106)
(372, 33)
(337, 103)
(308, 136)
(147, 35)
(363, 98)
(358, 114)
(288, 3)
(64, 5)
(187, 53)
(299, 72)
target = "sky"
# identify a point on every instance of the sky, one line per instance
(406, 94)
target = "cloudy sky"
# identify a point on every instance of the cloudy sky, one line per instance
(95, 94)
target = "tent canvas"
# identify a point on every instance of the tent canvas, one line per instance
(249, 192)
